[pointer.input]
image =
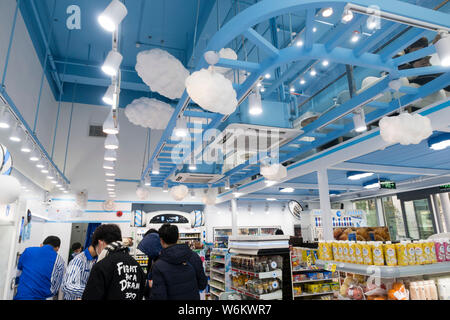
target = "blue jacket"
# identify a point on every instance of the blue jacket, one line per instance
(178, 274)
(151, 246)
(42, 273)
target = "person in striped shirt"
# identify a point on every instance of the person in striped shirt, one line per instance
(40, 271)
(77, 274)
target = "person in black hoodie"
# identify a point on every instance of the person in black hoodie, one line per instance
(116, 275)
(178, 273)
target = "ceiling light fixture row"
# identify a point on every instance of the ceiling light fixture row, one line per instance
(8, 120)
(110, 20)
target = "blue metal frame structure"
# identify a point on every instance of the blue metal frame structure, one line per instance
(241, 25)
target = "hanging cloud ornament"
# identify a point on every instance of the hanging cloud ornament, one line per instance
(228, 53)
(162, 72)
(210, 197)
(179, 192)
(9, 189)
(274, 172)
(149, 113)
(405, 128)
(142, 192)
(211, 57)
(212, 91)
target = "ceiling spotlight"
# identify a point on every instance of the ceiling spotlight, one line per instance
(299, 43)
(291, 89)
(50, 177)
(314, 29)
(347, 16)
(147, 181)
(40, 165)
(54, 181)
(439, 142)
(111, 142)
(5, 119)
(109, 97)
(109, 126)
(359, 121)
(327, 12)
(35, 156)
(44, 171)
(287, 190)
(112, 16)
(271, 199)
(259, 84)
(254, 103)
(357, 175)
(16, 134)
(325, 63)
(355, 36)
(165, 187)
(110, 174)
(236, 193)
(313, 72)
(302, 81)
(227, 184)
(443, 49)
(263, 89)
(192, 167)
(110, 155)
(267, 76)
(109, 180)
(112, 63)
(26, 146)
(181, 129)
(110, 184)
(108, 165)
(155, 167)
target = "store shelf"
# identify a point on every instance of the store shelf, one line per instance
(216, 287)
(218, 279)
(277, 295)
(214, 293)
(311, 280)
(261, 275)
(221, 271)
(308, 270)
(222, 261)
(388, 272)
(314, 294)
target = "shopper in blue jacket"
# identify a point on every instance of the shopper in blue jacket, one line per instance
(178, 273)
(151, 246)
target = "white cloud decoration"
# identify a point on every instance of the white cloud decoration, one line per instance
(179, 192)
(274, 172)
(162, 72)
(142, 193)
(212, 91)
(228, 53)
(149, 113)
(9, 189)
(210, 197)
(405, 128)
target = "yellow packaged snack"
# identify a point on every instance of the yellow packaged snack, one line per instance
(328, 250)
(377, 253)
(321, 254)
(351, 251)
(358, 253)
(426, 252)
(334, 246)
(346, 257)
(402, 254)
(367, 253)
(341, 251)
(433, 252)
(390, 254)
(411, 253)
(418, 248)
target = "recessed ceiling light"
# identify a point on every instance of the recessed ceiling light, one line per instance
(327, 12)
(287, 190)
(271, 199)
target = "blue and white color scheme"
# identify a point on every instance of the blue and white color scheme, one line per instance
(41, 273)
(5, 161)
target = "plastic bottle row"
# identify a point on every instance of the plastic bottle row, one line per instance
(386, 253)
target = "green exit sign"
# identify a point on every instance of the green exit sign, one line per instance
(445, 187)
(387, 185)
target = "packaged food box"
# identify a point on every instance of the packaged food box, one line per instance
(312, 275)
(327, 275)
(334, 286)
(326, 287)
(313, 288)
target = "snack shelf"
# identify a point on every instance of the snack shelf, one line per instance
(221, 271)
(214, 293)
(308, 270)
(268, 296)
(218, 279)
(314, 294)
(389, 272)
(216, 287)
(219, 261)
(312, 280)
(261, 275)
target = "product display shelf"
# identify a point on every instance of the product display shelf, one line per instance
(220, 264)
(277, 295)
(306, 294)
(260, 275)
(388, 272)
(312, 280)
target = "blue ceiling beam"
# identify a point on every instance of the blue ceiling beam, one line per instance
(238, 64)
(309, 25)
(423, 71)
(407, 39)
(261, 42)
(415, 55)
(377, 37)
(341, 33)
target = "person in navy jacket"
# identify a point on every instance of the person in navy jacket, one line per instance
(178, 273)
(41, 271)
(151, 246)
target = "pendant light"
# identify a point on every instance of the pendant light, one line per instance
(35, 156)
(109, 97)
(443, 49)
(108, 165)
(111, 142)
(26, 146)
(254, 103)
(327, 12)
(181, 128)
(155, 167)
(347, 16)
(112, 16)
(5, 119)
(313, 72)
(112, 63)
(16, 134)
(165, 187)
(108, 125)
(147, 181)
(110, 155)
(359, 121)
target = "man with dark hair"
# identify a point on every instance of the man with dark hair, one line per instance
(76, 249)
(279, 232)
(41, 270)
(116, 275)
(151, 246)
(178, 273)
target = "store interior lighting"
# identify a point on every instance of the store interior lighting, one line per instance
(439, 142)
(313, 72)
(255, 104)
(359, 121)
(5, 119)
(112, 63)
(26, 146)
(287, 190)
(111, 142)
(155, 167)
(165, 187)
(110, 155)
(443, 49)
(108, 125)
(373, 184)
(108, 98)
(347, 16)
(271, 199)
(181, 129)
(267, 76)
(355, 36)
(112, 16)
(357, 175)
(16, 134)
(147, 181)
(327, 12)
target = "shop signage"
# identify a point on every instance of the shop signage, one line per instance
(387, 185)
(445, 187)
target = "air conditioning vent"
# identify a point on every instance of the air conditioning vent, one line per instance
(96, 131)
(203, 178)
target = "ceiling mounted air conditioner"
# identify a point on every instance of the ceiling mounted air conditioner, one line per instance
(200, 178)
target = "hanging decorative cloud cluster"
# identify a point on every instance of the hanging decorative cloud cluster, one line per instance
(274, 172)
(405, 128)
(149, 113)
(210, 197)
(142, 193)
(162, 72)
(179, 192)
(9, 189)
(109, 205)
(212, 91)
(228, 53)
(81, 199)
